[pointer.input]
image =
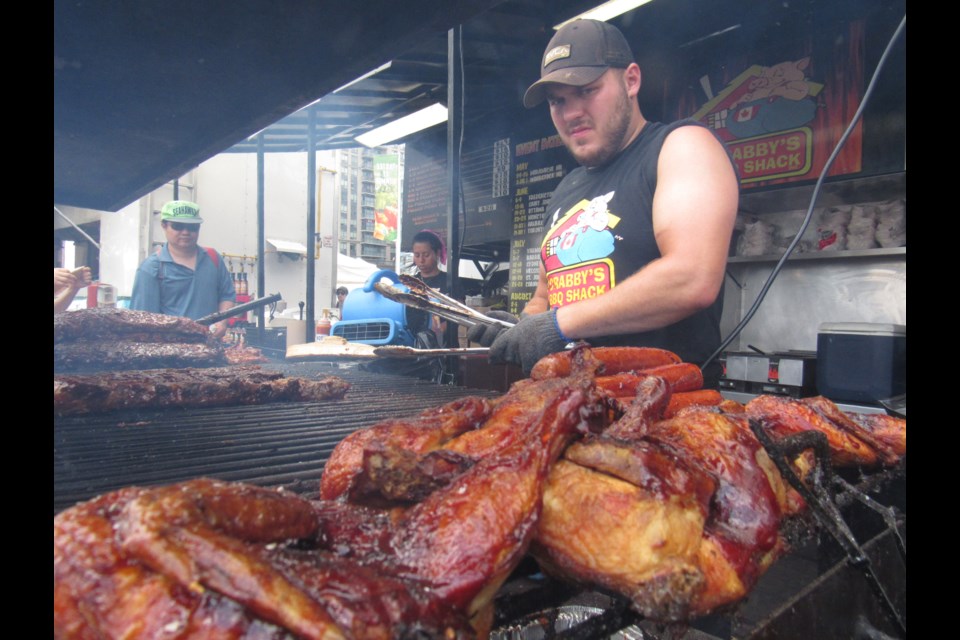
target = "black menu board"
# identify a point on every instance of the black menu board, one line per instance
(424, 193)
(485, 172)
(539, 164)
(507, 183)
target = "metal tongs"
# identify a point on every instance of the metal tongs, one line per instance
(447, 308)
(214, 318)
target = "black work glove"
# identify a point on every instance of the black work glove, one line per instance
(485, 334)
(534, 337)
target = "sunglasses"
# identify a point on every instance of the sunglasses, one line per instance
(183, 226)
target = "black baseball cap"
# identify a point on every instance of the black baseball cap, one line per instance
(579, 53)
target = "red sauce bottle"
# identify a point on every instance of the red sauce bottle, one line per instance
(323, 324)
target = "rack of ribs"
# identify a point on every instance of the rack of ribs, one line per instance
(213, 386)
(105, 339)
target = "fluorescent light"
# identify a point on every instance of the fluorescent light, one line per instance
(434, 114)
(607, 10)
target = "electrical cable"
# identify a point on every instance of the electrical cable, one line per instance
(813, 198)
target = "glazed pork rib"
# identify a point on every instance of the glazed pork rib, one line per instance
(108, 355)
(214, 386)
(106, 323)
(107, 339)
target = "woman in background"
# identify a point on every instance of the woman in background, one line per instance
(429, 253)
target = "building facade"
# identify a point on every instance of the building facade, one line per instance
(358, 235)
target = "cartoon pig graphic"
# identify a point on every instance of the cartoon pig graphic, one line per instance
(588, 238)
(778, 99)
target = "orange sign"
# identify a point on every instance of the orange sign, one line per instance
(779, 155)
(582, 282)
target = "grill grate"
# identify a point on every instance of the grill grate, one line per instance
(287, 445)
(284, 444)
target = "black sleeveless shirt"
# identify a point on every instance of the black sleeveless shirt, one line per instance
(601, 233)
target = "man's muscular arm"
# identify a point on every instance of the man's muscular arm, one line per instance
(694, 209)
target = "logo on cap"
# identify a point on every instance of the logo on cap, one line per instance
(183, 211)
(563, 51)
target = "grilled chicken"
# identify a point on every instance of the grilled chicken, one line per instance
(886, 454)
(888, 429)
(850, 444)
(422, 519)
(628, 518)
(681, 516)
(424, 432)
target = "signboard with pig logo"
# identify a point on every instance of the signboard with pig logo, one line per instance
(781, 120)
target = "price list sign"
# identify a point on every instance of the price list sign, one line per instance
(507, 186)
(424, 194)
(485, 173)
(539, 165)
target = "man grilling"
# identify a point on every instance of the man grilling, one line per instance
(182, 278)
(639, 234)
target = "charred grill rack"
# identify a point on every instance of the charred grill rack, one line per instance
(812, 592)
(282, 444)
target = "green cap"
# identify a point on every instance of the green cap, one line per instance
(181, 211)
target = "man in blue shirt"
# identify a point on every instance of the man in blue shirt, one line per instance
(182, 278)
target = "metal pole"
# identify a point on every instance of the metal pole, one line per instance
(311, 224)
(454, 135)
(261, 238)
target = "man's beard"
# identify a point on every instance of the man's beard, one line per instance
(614, 140)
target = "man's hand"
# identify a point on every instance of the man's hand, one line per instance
(66, 283)
(83, 275)
(219, 329)
(485, 334)
(63, 279)
(534, 337)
